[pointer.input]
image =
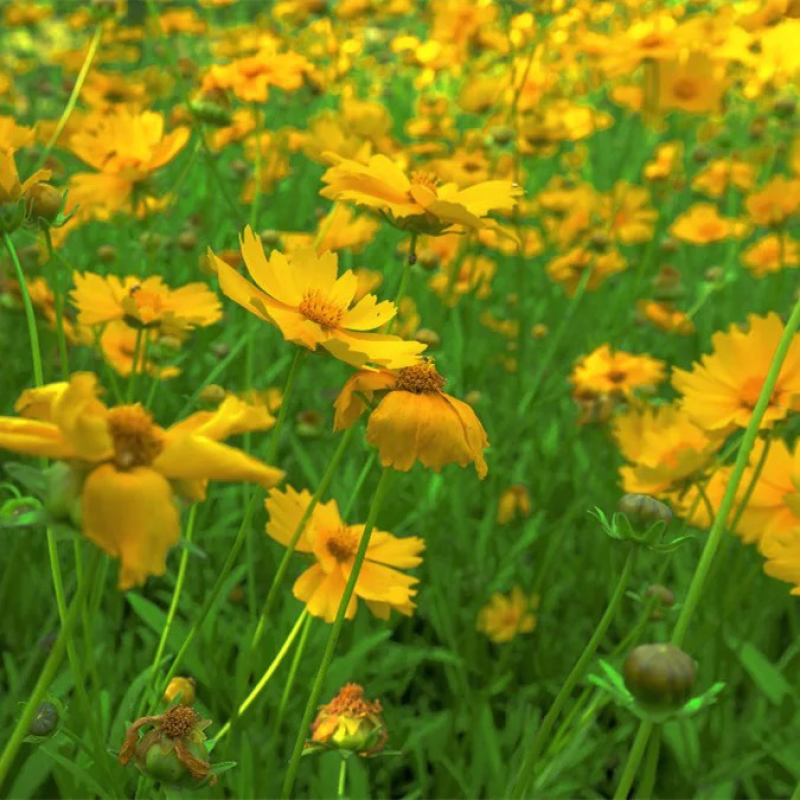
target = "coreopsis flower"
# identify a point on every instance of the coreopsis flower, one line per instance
(703, 224)
(126, 148)
(771, 253)
(340, 229)
(147, 303)
(417, 204)
(12, 134)
(776, 202)
(668, 161)
(415, 420)
(334, 545)
(614, 372)
(129, 472)
(631, 218)
(666, 450)
(514, 502)
(12, 192)
(717, 175)
(695, 84)
(474, 274)
(303, 297)
(665, 316)
(173, 750)
(568, 269)
(721, 391)
(783, 559)
(118, 345)
(504, 617)
(350, 722)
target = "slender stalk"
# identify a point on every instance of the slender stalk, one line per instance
(48, 673)
(76, 90)
(30, 317)
(173, 608)
(210, 598)
(137, 357)
(270, 671)
(272, 450)
(648, 781)
(342, 785)
(529, 764)
(58, 302)
(289, 685)
(401, 290)
(635, 756)
(377, 500)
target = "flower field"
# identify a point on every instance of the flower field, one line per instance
(400, 399)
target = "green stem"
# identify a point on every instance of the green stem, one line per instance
(401, 291)
(137, 354)
(76, 90)
(58, 301)
(529, 764)
(173, 608)
(289, 685)
(742, 457)
(210, 598)
(377, 500)
(270, 671)
(342, 785)
(30, 317)
(48, 672)
(272, 450)
(648, 781)
(632, 764)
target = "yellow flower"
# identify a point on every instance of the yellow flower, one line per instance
(664, 316)
(702, 224)
(118, 343)
(506, 616)
(185, 687)
(333, 546)
(147, 303)
(776, 202)
(715, 177)
(515, 501)
(607, 372)
(349, 722)
(302, 296)
(12, 212)
(132, 471)
(568, 269)
(415, 420)
(721, 391)
(665, 447)
(783, 559)
(771, 254)
(695, 84)
(418, 204)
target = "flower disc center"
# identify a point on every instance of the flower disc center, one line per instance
(342, 543)
(137, 442)
(321, 310)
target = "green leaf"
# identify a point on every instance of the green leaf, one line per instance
(765, 674)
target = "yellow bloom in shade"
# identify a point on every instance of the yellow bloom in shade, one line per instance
(695, 84)
(506, 616)
(334, 545)
(721, 391)
(415, 420)
(702, 224)
(776, 202)
(144, 303)
(303, 297)
(783, 559)
(130, 470)
(350, 722)
(771, 254)
(118, 343)
(515, 501)
(614, 372)
(419, 203)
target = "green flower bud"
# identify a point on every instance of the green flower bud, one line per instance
(659, 676)
(46, 720)
(643, 509)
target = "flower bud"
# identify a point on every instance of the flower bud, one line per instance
(472, 397)
(309, 424)
(662, 596)
(46, 720)
(659, 676)
(428, 337)
(643, 509)
(502, 134)
(351, 723)
(270, 238)
(183, 687)
(213, 393)
(107, 253)
(187, 240)
(44, 201)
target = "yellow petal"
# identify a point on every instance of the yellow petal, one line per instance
(275, 276)
(368, 314)
(34, 438)
(131, 515)
(374, 348)
(83, 418)
(285, 509)
(240, 290)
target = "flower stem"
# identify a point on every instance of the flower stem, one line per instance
(529, 764)
(48, 672)
(30, 317)
(270, 671)
(289, 685)
(274, 441)
(718, 527)
(377, 500)
(210, 598)
(58, 301)
(173, 608)
(648, 781)
(342, 785)
(137, 356)
(76, 90)
(401, 291)
(635, 756)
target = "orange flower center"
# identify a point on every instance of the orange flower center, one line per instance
(350, 702)
(422, 378)
(427, 179)
(711, 229)
(137, 442)
(750, 391)
(320, 310)
(178, 722)
(343, 543)
(685, 88)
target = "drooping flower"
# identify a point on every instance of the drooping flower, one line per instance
(350, 722)
(514, 502)
(419, 203)
(333, 544)
(415, 420)
(147, 303)
(12, 192)
(303, 297)
(128, 472)
(507, 616)
(721, 391)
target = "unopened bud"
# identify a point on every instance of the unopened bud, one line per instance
(660, 676)
(44, 201)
